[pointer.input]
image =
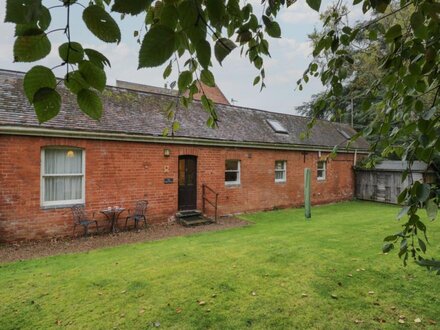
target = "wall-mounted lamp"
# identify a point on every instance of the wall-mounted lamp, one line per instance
(70, 153)
(166, 152)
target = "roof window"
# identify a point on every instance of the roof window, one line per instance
(276, 126)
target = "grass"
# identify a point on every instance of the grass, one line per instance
(251, 277)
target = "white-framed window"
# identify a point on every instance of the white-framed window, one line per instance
(62, 176)
(232, 172)
(321, 170)
(280, 170)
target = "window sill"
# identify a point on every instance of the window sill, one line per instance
(320, 180)
(281, 182)
(232, 185)
(61, 206)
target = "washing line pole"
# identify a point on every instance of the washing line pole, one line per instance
(307, 181)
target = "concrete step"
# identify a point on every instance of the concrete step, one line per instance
(188, 214)
(201, 220)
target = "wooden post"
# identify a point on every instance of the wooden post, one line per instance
(307, 207)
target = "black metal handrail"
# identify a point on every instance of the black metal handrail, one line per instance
(212, 203)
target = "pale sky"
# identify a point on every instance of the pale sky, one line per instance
(290, 57)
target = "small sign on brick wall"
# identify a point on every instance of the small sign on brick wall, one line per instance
(168, 180)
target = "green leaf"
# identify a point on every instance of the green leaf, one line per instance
(90, 103)
(185, 79)
(22, 11)
(387, 247)
(223, 48)
(216, 11)
(203, 50)
(31, 48)
(380, 5)
(47, 104)
(272, 28)
(97, 58)
(75, 82)
(93, 75)
(402, 196)
(314, 4)
(207, 104)
(417, 23)
(71, 54)
(431, 209)
(169, 16)
(207, 78)
(37, 78)
(188, 14)
(176, 126)
(41, 23)
(256, 80)
(157, 47)
(132, 7)
(422, 191)
(244, 36)
(393, 32)
(168, 70)
(101, 24)
(390, 238)
(422, 245)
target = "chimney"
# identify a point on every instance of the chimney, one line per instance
(213, 93)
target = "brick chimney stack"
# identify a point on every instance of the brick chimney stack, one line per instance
(213, 93)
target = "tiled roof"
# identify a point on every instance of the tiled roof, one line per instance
(143, 113)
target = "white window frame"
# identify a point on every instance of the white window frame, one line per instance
(323, 169)
(283, 170)
(43, 175)
(238, 171)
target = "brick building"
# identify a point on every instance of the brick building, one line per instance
(255, 160)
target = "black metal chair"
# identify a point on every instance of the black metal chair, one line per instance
(138, 213)
(80, 219)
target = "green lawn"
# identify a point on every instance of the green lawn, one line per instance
(251, 277)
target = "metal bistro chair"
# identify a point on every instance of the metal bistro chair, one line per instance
(80, 218)
(138, 214)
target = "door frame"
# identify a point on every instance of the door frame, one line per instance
(193, 157)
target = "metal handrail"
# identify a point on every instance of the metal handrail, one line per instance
(205, 199)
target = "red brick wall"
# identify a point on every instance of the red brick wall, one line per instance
(119, 173)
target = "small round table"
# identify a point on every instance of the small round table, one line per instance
(112, 215)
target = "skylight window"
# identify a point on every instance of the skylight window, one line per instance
(276, 126)
(344, 134)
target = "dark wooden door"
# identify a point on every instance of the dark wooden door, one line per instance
(187, 183)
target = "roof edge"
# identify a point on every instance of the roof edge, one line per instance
(233, 106)
(78, 134)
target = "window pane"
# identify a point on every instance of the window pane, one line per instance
(279, 175)
(231, 165)
(279, 165)
(62, 188)
(231, 176)
(181, 172)
(62, 161)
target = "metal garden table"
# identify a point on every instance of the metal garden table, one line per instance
(112, 215)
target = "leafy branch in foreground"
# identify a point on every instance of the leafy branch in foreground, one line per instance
(194, 31)
(401, 101)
